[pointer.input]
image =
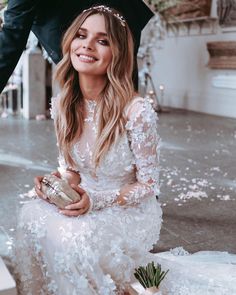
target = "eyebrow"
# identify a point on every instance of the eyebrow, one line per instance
(98, 33)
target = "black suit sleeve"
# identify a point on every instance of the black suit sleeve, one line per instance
(19, 18)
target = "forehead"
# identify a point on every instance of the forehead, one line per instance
(94, 23)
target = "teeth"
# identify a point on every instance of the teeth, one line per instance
(87, 58)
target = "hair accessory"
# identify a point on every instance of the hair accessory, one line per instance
(104, 8)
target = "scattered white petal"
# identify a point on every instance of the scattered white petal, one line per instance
(193, 195)
(215, 169)
(194, 187)
(203, 182)
(170, 182)
(224, 198)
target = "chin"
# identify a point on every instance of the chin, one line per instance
(90, 72)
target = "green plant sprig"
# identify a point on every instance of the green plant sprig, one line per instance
(150, 276)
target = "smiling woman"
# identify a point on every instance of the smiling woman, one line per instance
(108, 146)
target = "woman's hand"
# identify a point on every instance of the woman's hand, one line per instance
(71, 177)
(37, 185)
(80, 207)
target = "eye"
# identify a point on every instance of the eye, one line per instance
(103, 42)
(81, 36)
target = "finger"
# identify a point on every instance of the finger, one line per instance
(72, 212)
(75, 206)
(83, 203)
(40, 193)
(56, 173)
(37, 181)
(78, 189)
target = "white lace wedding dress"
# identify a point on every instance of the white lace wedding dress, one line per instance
(201, 273)
(96, 253)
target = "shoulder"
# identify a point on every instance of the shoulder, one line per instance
(140, 107)
(135, 104)
(55, 100)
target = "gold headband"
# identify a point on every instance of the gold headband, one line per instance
(107, 9)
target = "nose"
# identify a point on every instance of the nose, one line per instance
(87, 44)
(87, 47)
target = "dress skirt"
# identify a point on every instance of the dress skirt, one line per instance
(95, 253)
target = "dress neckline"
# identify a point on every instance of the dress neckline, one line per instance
(91, 104)
(90, 101)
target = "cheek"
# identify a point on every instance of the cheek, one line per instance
(72, 49)
(72, 56)
(108, 56)
(74, 45)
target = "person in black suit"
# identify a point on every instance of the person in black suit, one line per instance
(48, 20)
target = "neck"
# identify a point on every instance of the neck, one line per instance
(91, 86)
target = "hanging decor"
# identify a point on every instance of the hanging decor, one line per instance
(226, 10)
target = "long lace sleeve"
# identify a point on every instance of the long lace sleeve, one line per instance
(144, 143)
(100, 200)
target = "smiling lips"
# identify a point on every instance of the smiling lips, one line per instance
(86, 58)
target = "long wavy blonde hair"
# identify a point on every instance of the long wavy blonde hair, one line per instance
(117, 93)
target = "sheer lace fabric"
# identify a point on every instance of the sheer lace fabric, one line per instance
(96, 253)
(204, 272)
(135, 156)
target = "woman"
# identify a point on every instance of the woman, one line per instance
(108, 146)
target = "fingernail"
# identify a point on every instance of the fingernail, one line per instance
(67, 207)
(38, 186)
(60, 211)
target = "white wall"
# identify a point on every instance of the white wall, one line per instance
(180, 64)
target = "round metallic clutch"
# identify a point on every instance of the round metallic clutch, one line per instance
(58, 191)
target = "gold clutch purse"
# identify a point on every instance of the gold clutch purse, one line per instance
(58, 191)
